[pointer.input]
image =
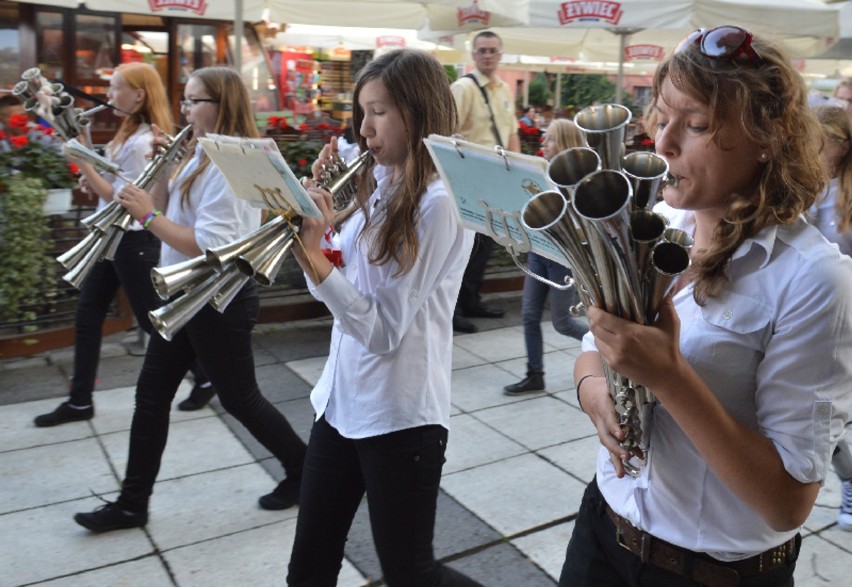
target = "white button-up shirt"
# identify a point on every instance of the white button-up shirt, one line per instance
(217, 215)
(776, 348)
(390, 358)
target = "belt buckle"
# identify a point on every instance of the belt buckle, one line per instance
(643, 543)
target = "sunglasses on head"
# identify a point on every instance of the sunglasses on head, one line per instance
(723, 42)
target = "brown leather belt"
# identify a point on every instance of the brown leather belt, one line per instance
(698, 566)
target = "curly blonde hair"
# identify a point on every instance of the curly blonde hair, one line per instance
(770, 98)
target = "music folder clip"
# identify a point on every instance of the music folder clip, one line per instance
(257, 172)
(490, 187)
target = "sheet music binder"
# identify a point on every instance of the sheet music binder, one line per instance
(257, 172)
(491, 182)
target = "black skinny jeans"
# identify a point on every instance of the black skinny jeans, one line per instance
(595, 559)
(401, 473)
(222, 345)
(137, 254)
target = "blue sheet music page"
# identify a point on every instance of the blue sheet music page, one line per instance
(491, 185)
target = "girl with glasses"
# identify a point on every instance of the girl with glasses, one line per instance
(750, 357)
(202, 212)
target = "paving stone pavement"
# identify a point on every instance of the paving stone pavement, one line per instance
(516, 468)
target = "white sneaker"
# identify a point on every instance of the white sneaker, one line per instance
(844, 519)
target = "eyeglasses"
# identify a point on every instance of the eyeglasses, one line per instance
(724, 42)
(487, 51)
(190, 102)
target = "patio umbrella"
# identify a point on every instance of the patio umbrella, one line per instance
(452, 15)
(616, 32)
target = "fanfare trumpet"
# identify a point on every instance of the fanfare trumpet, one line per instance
(108, 224)
(623, 257)
(218, 275)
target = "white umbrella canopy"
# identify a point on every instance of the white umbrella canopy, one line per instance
(647, 30)
(453, 15)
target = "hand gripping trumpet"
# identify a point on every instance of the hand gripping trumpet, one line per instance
(217, 276)
(622, 256)
(107, 225)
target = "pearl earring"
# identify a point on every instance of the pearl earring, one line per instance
(764, 157)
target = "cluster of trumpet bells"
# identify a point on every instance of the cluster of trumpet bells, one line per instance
(623, 256)
(108, 225)
(220, 273)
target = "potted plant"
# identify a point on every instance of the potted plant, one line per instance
(26, 268)
(30, 149)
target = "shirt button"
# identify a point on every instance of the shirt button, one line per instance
(728, 314)
(823, 410)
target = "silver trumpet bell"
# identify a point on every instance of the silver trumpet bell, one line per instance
(604, 127)
(647, 172)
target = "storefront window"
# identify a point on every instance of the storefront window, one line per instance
(96, 37)
(196, 49)
(10, 54)
(51, 44)
(259, 79)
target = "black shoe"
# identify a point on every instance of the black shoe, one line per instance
(282, 497)
(64, 414)
(483, 312)
(461, 324)
(534, 381)
(198, 398)
(110, 517)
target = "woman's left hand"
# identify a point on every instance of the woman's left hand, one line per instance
(645, 354)
(136, 201)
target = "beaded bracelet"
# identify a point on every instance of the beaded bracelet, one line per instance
(579, 383)
(146, 221)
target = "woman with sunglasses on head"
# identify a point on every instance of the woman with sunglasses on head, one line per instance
(750, 356)
(201, 212)
(138, 97)
(383, 401)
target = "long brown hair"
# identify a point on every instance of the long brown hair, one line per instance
(837, 126)
(770, 98)
(235, 118)
(420, 89)
(154, 108)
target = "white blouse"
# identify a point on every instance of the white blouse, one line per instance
(776, 348)
(391, 349)
(213, 211)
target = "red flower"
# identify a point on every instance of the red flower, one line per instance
(72, 167)
(282, 123)
(272, 121)
(303, 162)
(323, 126)
(47, 130)
(304, 127)
(540, 153)
(3, 136)
(19, 141)
(19, 121)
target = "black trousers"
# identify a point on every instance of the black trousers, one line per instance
(222, 345)
(400, 473)
(595, 559)
(137, 254)
(474, 273)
